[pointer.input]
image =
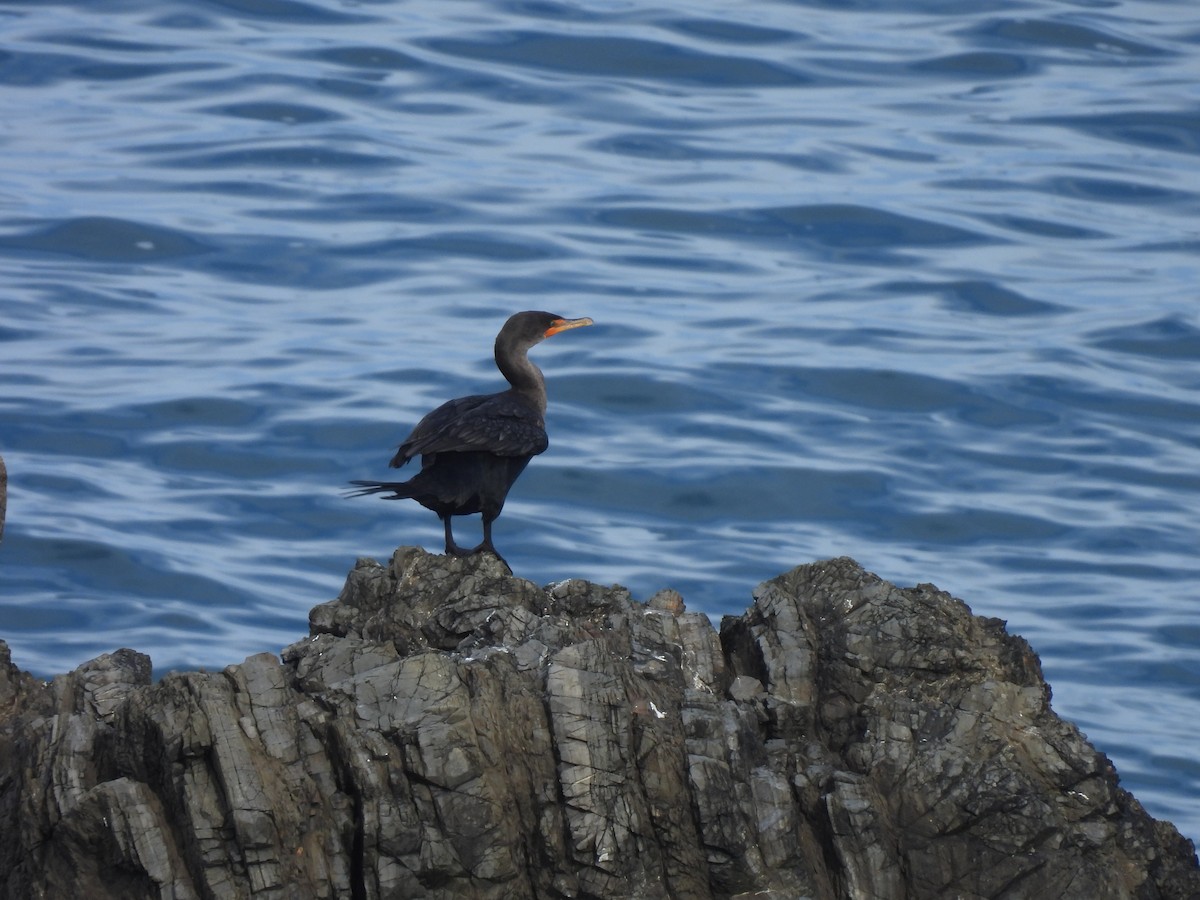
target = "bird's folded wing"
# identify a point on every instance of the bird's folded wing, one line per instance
(491, 423)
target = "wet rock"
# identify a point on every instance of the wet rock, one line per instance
(448, 730)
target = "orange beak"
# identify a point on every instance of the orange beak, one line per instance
(564, 324)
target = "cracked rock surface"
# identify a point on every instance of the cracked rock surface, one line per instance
(449, 731)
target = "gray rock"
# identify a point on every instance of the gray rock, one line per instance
(449, 731)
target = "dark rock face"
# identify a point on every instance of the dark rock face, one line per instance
(448, 731)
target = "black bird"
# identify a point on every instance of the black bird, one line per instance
(472, 449)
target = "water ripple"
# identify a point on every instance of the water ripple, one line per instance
(1178, 132)
(607, 56)
(103, 239)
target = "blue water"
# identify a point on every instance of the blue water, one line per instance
(913, 282)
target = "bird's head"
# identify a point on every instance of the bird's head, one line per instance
(524, 329)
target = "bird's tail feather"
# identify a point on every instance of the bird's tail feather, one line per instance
(400, 489)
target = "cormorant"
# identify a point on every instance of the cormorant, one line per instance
(472, 449)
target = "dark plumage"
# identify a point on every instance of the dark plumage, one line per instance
(472, 449)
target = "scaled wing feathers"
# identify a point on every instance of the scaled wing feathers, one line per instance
(496, 423)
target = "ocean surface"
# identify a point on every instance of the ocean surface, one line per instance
(913, 282)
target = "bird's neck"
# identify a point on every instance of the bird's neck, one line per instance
(526, 378)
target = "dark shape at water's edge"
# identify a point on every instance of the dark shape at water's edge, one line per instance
(842, 737)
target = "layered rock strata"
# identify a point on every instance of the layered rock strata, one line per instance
(449, 731)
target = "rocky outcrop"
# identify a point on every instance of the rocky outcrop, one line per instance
(449, 731)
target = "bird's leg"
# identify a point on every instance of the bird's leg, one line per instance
(452, 548)
(487, 544)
